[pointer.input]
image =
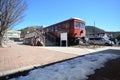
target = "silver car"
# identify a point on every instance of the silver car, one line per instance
(100, 41)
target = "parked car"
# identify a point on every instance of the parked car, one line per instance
(100, 41)
(118, 42)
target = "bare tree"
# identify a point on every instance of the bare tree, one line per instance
(11, 13)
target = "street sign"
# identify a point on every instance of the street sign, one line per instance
(63, 37)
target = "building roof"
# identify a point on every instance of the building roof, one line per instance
(66, 20)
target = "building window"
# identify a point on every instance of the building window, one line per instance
(56, 29)
(77, 24)
(80, 25)
(67, 25)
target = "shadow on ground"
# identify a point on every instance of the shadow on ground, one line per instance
(111, 71)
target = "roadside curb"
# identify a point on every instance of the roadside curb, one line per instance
(5, 73)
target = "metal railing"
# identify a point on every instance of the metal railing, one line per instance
(50, 37)
(42, 38)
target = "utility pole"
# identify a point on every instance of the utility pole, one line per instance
(94, 28)
(94, 34)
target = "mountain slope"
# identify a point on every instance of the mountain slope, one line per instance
(92, 30)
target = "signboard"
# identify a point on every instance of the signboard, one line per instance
(63, 37)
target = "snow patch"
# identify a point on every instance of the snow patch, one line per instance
(75, 69)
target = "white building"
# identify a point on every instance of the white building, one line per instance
(13, 35)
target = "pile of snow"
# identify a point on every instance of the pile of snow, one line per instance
(75, 69)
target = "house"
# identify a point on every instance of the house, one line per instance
(13, 35)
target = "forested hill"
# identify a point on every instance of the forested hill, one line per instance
(92, 30)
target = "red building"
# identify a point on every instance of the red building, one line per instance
(74, 27)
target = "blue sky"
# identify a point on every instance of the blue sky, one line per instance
(105, 13)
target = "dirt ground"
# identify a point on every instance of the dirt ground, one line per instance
(111, 71)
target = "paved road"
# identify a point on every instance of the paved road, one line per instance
(83, 51)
